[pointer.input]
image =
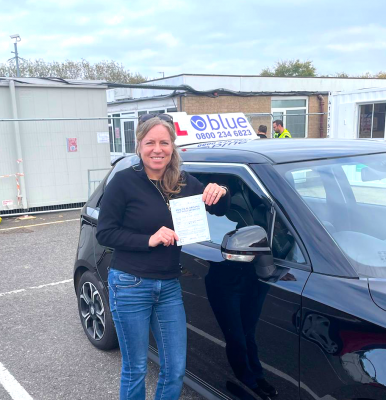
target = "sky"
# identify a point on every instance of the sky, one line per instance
(171, 37)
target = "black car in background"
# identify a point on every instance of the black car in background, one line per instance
(298, 262)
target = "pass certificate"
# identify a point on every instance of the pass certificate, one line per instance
(190, 220)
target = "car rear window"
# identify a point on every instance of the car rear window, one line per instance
(126, 162)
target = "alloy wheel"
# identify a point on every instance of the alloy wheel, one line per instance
(92, 310)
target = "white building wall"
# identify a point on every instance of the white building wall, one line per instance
(8, 165)
(344, 110)
(53, 175)
(141, 105)
(279, 84)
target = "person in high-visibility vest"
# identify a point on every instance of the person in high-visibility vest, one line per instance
(280, 132)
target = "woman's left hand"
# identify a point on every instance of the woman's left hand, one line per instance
(213, 193)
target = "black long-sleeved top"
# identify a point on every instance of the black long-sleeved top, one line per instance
(132, 210)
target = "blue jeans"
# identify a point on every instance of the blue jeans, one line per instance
(137, 304)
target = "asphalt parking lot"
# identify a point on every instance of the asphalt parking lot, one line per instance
(44, 354)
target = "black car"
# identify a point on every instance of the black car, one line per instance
(297, 265)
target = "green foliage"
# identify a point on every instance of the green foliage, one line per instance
(341, 75)
(381, 75)
(110, 71)
(306, 68)
(366, 75)
(290, 68)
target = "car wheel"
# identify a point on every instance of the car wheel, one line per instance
(94, 312)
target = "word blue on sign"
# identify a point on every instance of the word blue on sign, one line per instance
(217, 122)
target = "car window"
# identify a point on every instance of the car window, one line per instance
(308, 183)
(366, 190)
(284, 245)
(353, 207)
(126, 162)
(219, 226)
(247, 209)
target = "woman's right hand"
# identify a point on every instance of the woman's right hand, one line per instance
(163, 236)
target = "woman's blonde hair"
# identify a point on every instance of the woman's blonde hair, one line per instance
(171, 181)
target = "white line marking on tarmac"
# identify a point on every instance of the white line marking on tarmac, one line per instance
(44, 223)
(36, 287)
(12, 386)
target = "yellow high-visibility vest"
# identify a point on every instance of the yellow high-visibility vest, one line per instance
(285, 134)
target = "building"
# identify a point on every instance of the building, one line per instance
(357, 114)
(300, 102)
(50, 139)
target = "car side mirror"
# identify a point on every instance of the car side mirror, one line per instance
(250, 244)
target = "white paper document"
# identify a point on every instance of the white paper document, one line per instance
(190, 220)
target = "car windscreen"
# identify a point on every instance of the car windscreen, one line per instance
(123, 164)
(348, 196)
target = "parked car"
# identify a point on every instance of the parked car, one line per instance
(298, 264)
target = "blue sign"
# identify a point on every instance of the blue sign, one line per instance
(212, 127)
(198, 123)
(215, 122)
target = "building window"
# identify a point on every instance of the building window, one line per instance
(293, 113)
(117, 136)
(128, 129)
(372, 121)
(114, 123)
(122, 127)
(110, 124)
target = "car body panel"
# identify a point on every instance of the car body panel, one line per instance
(281, 151)
(343, 330)
(214, 290)
(377, 289)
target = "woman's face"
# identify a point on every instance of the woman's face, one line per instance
(156, 151)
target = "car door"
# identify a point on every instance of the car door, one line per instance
(102, 255)
(93, 255)
(238, 323)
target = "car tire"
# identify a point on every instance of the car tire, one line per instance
(94, 312)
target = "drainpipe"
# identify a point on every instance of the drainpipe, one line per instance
(321, 109)
(19, 152)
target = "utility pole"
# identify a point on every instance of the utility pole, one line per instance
(17, 39)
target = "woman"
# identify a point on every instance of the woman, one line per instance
(135, 220)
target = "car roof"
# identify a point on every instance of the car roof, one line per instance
(277, 151)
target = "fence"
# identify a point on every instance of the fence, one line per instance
(299, 124)
(46, 163)
(49, 164)
(95, 177)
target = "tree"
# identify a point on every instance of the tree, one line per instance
(366, 75)
(342, 75)
(110, 71)
(290, 68)
(381, 75)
